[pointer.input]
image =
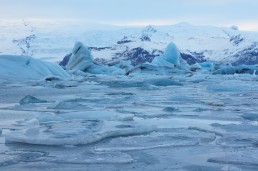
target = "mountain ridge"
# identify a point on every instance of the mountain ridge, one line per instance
(196, 44)
(138, 44)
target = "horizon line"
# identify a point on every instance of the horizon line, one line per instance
(244, 26)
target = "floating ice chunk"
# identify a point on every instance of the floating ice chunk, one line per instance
(32, 123)
(77, 132)
(244, 127)
(244, 158)
(47, 117)
(70, 106)
(65, 60)
(81, 58)
(95, 158)
(195, 67)
(213, 103)
(87, 115)
(250, 116)
(171, 58)
(232, 87)
(103, 69)
(24, 67)
(164, 82)
(172, 54)
(30, 99)
(65, 84)
(171, 109)
(230, 168)
(32, 127)
(137, 148)
(170, 62)
(162, 62)
(120, 94)
(124, 83)
(240, 135)
(182, 98)
(18, 156)
(126, 65)
(241, 69)
(52, 78)
(175, 138)
(208, 65)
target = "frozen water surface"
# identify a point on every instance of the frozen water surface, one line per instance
(135, 122)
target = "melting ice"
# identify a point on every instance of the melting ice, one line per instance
(155, 116)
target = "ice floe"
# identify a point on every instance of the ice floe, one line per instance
(75, 129)
(173, 138)
(27, 68)
(30, 99)
(95, 158)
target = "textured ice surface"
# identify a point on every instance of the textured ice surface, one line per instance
(95, 158)
(76, 132)
(250, 116)
(137, 122)
(171, 138)
(17, 156)
(245, 157)
(30, 99)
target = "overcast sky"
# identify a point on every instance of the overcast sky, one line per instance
(243, 13)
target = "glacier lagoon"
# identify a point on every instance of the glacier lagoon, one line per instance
(135, 122)
(152, 117)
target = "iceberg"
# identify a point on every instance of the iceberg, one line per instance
(171, 56)
(27, 68)
(240, 69)
(104, 69)
(170, 62)
(224, 68)
(81, 58)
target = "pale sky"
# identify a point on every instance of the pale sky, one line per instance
(243, 13)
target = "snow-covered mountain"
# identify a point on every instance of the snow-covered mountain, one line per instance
(196, 43)
(138, 44)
